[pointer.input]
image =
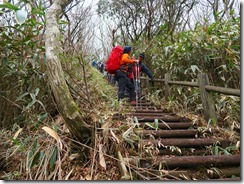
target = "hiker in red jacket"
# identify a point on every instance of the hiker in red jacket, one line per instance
(121, 75)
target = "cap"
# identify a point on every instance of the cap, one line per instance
(127, 49)
(142, 55)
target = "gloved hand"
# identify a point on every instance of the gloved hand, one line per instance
(152, 81)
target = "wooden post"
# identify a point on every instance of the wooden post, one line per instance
(167, 87)
(207, 99)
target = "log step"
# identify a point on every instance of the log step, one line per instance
(166, 133)
(144, 108)
(226, 179)
(168, 125)
(186, 161)
(160, 118)
(142, 104)
(223, 173)
(187, 143)
(184, 152)
(139, 110)
(138, 114)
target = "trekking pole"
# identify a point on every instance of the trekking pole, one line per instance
(136, 83)
(134, 80)
(139, 83)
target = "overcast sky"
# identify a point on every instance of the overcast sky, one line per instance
(98, 24)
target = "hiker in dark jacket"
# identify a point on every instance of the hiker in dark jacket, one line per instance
(136, 69)
(121, 75)
(142, 68)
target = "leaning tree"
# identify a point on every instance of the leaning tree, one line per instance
(66, 105)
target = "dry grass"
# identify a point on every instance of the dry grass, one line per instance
(52, 154)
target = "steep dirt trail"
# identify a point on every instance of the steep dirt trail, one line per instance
(173, 148)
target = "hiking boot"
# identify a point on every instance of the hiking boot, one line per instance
(133, 102)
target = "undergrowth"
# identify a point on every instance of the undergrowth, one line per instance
(49, 152)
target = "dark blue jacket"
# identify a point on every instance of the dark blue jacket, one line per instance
(142, 68)
(146, 70)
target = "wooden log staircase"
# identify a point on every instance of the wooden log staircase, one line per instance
(172, 148)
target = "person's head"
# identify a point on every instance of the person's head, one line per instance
(141, 57)
(127, 49)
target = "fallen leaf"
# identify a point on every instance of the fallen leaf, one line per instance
(114, 136)
(101, 157)
(17, 133)
(88, 177)
(52, 133)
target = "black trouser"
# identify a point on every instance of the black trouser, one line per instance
(124, 81)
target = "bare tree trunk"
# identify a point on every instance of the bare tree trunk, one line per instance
(66, 105)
